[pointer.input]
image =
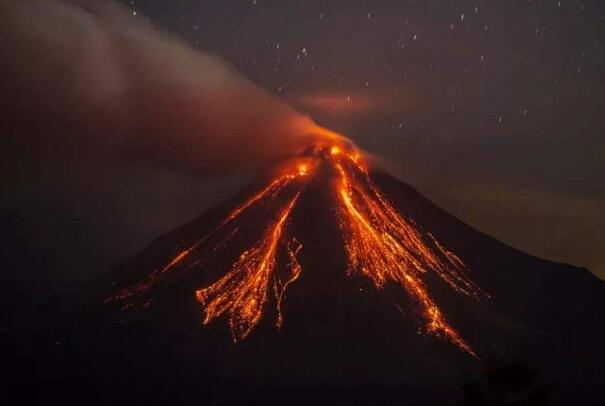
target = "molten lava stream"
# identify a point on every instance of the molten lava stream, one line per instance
(242, 292)
(291, 172)
(380, 244)
(384, 247)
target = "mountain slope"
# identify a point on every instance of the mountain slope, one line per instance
(342, 338)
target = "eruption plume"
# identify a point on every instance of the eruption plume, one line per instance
(89, 80)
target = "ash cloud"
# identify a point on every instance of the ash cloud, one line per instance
(86, 80)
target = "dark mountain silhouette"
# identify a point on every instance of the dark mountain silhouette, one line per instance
(539, 336)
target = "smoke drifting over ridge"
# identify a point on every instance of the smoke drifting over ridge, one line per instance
(86, 79)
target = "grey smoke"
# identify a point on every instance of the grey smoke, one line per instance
(113, 132)
(87, 80)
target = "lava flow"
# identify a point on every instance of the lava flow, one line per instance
(380, 244)
(288, 173)
(383, 246)
(243, 291)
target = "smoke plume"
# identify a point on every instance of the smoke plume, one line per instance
(87, 79)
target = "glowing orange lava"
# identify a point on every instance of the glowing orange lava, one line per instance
(242, 292)
(287, 174)
(384, 247)
(380, 244)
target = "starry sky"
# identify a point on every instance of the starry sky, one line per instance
(493, 109)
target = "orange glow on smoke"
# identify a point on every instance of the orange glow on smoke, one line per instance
(380, 244)
(341, 103)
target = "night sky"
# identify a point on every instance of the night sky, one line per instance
(492, 109)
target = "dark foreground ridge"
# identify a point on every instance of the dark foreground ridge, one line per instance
(539, 335)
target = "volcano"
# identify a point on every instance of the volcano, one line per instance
(380, 244)
(329, 280)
